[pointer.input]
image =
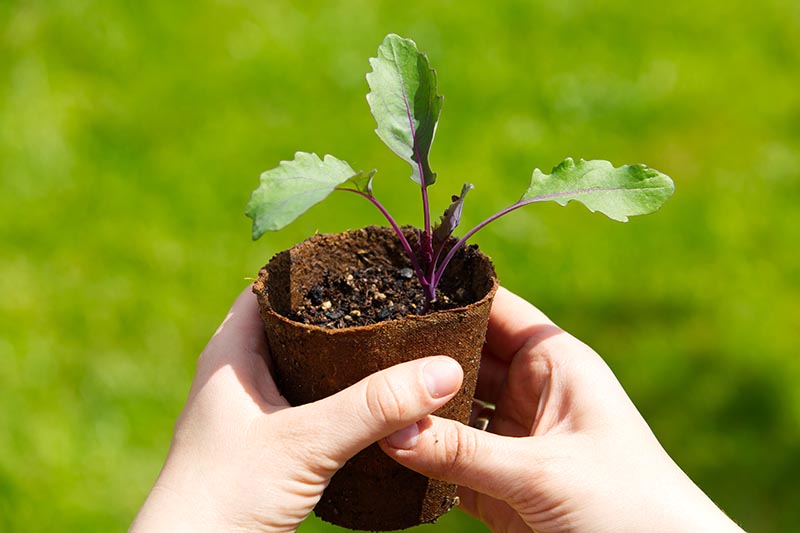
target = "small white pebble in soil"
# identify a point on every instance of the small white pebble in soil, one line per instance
(326, 305)
(355, 312)
(406, 273)
(348, 277)
(348, 318)
(380, 296)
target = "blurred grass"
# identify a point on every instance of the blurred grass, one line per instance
(132, 133)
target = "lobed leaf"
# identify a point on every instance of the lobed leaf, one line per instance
(404, 102)
(451, 216)
(293, 187)
(616, 192)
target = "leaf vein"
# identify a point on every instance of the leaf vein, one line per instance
(414, 147)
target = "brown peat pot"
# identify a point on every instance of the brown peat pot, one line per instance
(372, 492)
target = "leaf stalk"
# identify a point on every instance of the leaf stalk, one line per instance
(424, 281)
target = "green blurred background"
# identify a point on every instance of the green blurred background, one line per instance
(131, 134)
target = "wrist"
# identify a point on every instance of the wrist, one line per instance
(686, 507)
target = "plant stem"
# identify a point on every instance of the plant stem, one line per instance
(425, 205)
(452, 252)
(406, 246)
(437, 254)
(423, 185)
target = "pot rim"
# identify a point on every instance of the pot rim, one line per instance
(378, 325)
(260, 289)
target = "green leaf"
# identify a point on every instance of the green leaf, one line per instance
(362, 182)
(293, 187)
(404, 103)
(616, 192)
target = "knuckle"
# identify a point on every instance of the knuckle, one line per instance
(387, 400)
(283, 436)
(460, 448)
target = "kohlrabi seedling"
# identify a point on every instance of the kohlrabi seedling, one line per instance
(404, 101)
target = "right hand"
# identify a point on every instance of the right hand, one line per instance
(566, 449)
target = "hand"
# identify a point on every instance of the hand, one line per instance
(242, 458)
(565, 450)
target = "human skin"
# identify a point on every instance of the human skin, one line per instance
(566, 449)
(242, 459)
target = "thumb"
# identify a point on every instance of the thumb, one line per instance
(347, 422)
(453, 452)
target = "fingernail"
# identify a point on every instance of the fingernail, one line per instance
(442, 377)
(405, 439)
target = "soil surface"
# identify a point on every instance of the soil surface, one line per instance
(365, 296)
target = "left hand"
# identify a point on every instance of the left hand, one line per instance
(242, 458)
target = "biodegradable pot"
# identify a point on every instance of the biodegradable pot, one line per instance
(372, 492)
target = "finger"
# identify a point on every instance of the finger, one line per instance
(382, 403)
(456, 453)
(242, 327)
(237, 357)
(513, 322)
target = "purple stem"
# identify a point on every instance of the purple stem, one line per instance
(437, 277)
(411, 255)
(440, 270)
(437, 255)
(423, 184)
(452, 252)
(425, 207)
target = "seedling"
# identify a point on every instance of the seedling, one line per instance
(404, 101)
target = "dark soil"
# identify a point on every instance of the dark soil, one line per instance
(373, 294)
